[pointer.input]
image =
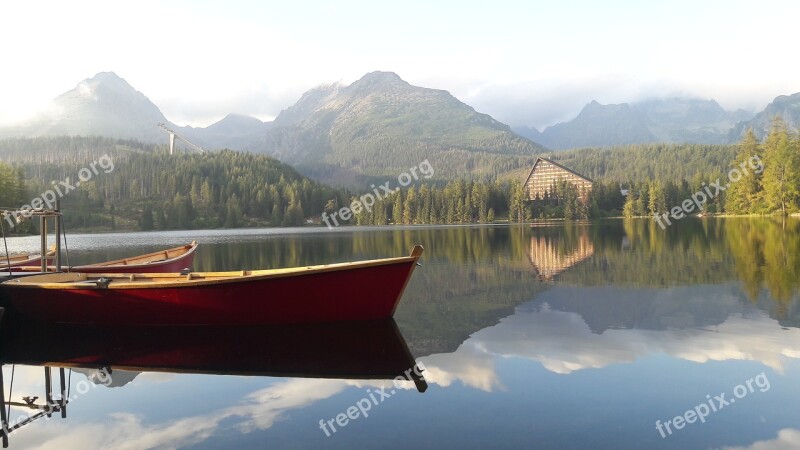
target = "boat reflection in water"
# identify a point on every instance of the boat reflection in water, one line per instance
(364, 350)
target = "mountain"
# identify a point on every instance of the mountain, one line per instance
(381, 125)
(234, 131)
(669, 120)
(689, 120)
(785, 106)
(599, 126)
(104, 105)
(107, 105)
(530, 133)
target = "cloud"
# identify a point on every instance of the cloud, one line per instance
(788, 439)
(563, 343)
(470, 365)
(259, 410)
(125, 431)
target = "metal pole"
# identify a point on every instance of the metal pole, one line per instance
(58, 235)
(48, 390)
(43, 230)
(3, 418)
(63, 393)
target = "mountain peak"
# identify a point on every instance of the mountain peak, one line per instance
(785, 106)
(244, 118)
(380, 123)
(106, 76)
(378, 78)
(598, 125)
(105, 105)
(594, 108)
(108, 80)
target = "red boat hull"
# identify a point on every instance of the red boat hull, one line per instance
(358, 293)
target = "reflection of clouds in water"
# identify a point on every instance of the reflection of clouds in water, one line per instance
(262, 408)
(258, 410)
(28, 380)
(788, 439)
(124, 431)
(156, 377)
(470, 365)
(560, 341)
(563, 343)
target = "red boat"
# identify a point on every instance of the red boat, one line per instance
(17, 262)
(171, 260)
(326, 293)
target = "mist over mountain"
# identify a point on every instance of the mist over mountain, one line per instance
(670, 120)
(104, 105)
(107, 105)
(599, 126)
(785, 106)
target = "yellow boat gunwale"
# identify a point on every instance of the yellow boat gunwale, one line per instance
(79, 280)
(158, 257)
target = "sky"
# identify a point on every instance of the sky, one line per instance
(526, 63)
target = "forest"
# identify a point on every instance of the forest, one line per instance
(152, 190)
(772, 189)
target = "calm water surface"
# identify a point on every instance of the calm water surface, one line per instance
(562, 336)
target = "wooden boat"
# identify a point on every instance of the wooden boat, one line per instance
(25, 259)
(325, 293)
(170, 260)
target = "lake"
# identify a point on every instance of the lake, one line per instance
(615, 334)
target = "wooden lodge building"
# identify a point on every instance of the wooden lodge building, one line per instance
(544, 176)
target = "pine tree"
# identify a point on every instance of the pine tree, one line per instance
(780, 168)
(629, 209)
(745, 195)
(516, 201)
(657, 203)
(277, 215)
(397, 209)
(410, 210)
(146, 221)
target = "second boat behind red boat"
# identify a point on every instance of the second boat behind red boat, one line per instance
(170, 260)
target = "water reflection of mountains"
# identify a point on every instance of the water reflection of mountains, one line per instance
(473, 277)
